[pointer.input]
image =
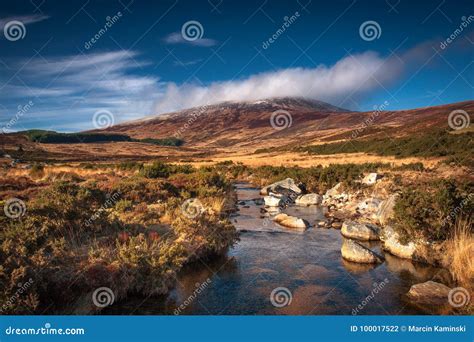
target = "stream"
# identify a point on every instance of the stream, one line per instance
(308, 265)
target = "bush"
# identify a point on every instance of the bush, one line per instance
(429, 211)
(156, 170)
(37, 171)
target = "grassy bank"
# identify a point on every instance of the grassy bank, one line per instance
(131, 234)
(440, 143)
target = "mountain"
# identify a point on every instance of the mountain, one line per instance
(283, 121)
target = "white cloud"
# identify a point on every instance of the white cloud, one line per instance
(68, 90)
(352, 75)
(25, 19)
(177, 38)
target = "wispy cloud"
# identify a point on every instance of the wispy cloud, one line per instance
(177, 38)
(68, 90)
(187, 63)
(25, 19)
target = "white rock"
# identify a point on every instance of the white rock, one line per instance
(370, 179)
(291, 221)
(287, 183)
(385, 211)
(360, 231)
(369, 205)
(391, 243)
(271, 201)
(308, 199)
(355, 252)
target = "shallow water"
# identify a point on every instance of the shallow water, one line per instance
(308, 264)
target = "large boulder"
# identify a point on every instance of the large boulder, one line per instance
(355, 252)
(308, 199)
(360, 231)
(391, 243)
(430, 292)
(288, 184)
(272, 201)
(385, 211)
(370, 179)
(291, 221)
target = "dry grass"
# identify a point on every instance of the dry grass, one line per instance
(460, 254)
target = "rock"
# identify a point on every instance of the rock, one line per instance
(360, 231)
(385, 211)
(336, 225)
(291, 221)
(430, 292)
(370, 205)
(309, 199)
(355, 252)
(334, 191)
(370, 179)
(287, 183)
(391, 243)
(271, 201)
(322, 223)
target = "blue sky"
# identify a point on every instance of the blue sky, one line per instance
(146, 62)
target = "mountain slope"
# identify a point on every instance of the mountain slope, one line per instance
(283, 121)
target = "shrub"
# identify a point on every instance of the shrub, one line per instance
(156, 170)
(429, 211)
(37, 171)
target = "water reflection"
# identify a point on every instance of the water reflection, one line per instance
(308, 264)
